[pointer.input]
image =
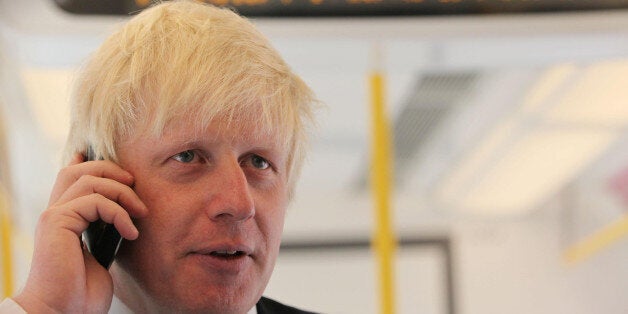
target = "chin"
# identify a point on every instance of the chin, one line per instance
(225, 303)
(195, 299)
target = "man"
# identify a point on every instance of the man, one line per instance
(201, 127)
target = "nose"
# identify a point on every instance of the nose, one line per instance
(232, 201)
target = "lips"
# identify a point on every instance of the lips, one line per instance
(223, 258)
(227, 254)
(224, 250)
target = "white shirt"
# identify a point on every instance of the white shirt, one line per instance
(8, 306)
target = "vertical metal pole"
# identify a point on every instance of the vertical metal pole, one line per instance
(5, 245)
(384, 242)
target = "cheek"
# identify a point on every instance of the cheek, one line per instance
(160, 232)
(169, 212)
(270, 224)
(271, 220)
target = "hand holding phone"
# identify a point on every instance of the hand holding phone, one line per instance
(64, 277)
(102, 239)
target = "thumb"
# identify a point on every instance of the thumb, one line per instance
(99, 285)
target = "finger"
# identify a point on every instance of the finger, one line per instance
(76, 159)
(100, 168)
(111, 189)
(98, 286)
(76, 214)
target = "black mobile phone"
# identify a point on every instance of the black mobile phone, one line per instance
(102, 239)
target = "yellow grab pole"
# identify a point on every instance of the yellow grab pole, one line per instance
(384, 242)
(597, 241)
(5, 245)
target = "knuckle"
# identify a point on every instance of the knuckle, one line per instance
(84, 179)
(98, 198)
(66, 171)
(51, 216)
(46, 216)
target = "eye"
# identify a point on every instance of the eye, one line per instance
(185, 156)
(259, 162)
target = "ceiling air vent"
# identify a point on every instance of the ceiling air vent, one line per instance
(429, 102)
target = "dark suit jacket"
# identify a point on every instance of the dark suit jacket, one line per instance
(269, 306)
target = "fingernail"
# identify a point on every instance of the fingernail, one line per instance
(135, 232)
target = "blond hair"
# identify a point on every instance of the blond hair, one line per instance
(183, 58)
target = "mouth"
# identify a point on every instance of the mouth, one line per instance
(225, 260)
(224, 251)
(228, 255)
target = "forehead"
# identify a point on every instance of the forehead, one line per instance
(245, 132)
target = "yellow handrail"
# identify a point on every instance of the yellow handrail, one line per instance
(5, 245)
(384, 242)
(597, 241)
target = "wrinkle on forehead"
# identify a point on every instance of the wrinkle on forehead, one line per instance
(251, 121)
(188, 130)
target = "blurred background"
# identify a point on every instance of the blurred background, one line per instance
(508, 121)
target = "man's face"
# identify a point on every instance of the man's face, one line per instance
(217, 200)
